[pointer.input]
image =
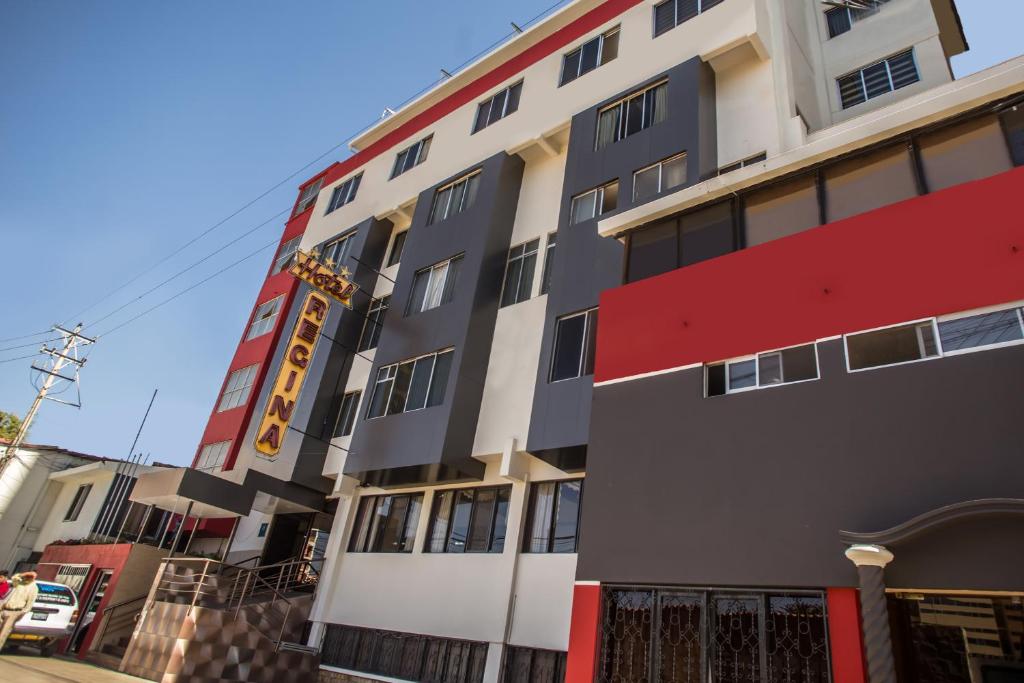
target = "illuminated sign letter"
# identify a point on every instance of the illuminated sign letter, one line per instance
(336, 285)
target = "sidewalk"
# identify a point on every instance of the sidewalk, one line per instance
(35, 669)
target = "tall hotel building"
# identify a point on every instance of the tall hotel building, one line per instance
(687, 348)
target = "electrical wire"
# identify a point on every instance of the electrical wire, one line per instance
(11, 360)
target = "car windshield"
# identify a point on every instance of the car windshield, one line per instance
(54, 594)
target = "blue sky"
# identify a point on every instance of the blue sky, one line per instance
(128, 128)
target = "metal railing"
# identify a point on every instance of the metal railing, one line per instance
(117, 621)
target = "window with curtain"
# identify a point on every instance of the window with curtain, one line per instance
(454, 198)
(386, 524)
(410, 385)
(632, 114)
(664, 175)
(434, 286)
(553, 516)
(469, 520)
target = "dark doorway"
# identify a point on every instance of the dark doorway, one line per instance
(286, 539)
(89, 607)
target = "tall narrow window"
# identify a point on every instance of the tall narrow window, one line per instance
(264, 318)
(212, 457)
(344, 193)
(497, 107)
(386, 524)
(595, 52)
(671, 13)
(632, 114)
(549, 255)
(397, 245)
(594, 203)
(469, 520)
(434, 286)
(891, 73)
(552, 523)
(454, 198)
(522, 261)
(336, 253)
(236, 391)
(411, 156)
(347, 414)
(575, 338)
(308, 197)
(374, 323)
(664, 175)
(285, 254)
(410, 385)
(77, 502)
(892, 345)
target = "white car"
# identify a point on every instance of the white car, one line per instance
(52, 618)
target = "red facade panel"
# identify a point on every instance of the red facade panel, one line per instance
(844, 635)
(584, 634)
(953, 250)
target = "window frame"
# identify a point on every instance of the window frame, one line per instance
(393, 367)
(347, 420)
(217, 463)
(345, 240)
(345, 192)
(377, 305)
(420, 145)
(435, 502)
(519, 283)
(365, 512)
(78, 502)
(526, 541)
(285, 253)
(757, 370)
(601, 37)
(622, 125)
(506, 93)
(598, 202)
(583, 349)
(397, 245)
(447, 263)
(257, 320)
(675, 14)
(549, 253)
(906, 323)
(245, 390)
(462, 199)
(853, 16)
(308, 196)
(888, 72)
(660, 165)
(1018, 307)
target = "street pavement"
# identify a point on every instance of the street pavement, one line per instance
(36, 669)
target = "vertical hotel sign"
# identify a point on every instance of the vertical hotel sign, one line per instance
(293, 370)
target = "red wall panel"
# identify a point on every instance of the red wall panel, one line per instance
(953, 250)
(584, 634)
(844, 635)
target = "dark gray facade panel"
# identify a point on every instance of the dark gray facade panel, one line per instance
(752, 489)
(435, 443)
(586, 264)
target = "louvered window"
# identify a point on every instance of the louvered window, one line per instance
(879, 78)
(671, 13)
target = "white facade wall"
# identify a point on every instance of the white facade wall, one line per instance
(55, 528)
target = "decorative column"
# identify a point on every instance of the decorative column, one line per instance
(871, 561)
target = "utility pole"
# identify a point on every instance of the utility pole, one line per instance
(60, 358)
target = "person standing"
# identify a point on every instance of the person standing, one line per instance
(17, 603)
(5, 584)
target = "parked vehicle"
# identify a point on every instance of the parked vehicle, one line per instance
(52, 618)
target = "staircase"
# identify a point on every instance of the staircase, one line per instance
(211, 621)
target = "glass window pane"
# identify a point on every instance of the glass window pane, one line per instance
(500, 521)
(399, 163)
(868, 182)
(686, 10)
(609, 198)
(584, 207)
(653, 250)
(439, 528)
(435, 288)
(483, 516)
(610, 47)
(497, 107)
(742, 374)
(799, 363)
(569, 335)
(381, 390)
(716, 380)
(420, 284)
(968, 151)
(646, 183)
(980, 330)
(851, 90)
(876, 80)
(903, 70)
(542, 506)
(589, 57)
(396, 248)
(706, 233)
(890, 346)
(362, 526)
(451, 279)
(566, 517)
(664, 17)
(420, 383)
(400, 389)
(440, 208)
(463, 506)
(571, 66)
(391, 536)
(781, 210)
(481, 116)
(458, 192)
(769, 368)
(549, 255)
(838, 19)
(635, 115)
(608, 126)
(411, 521)
(472, 183)
(424, 149)
(590, 349)
(442, 367)
(673, 173)
(512, 104)
(510, 289)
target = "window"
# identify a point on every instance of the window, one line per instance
(336, 253)
(386, 524)
(662, 176)
(263, 529)
(841, 19)
(549, 255)
(73, 576)
(77, 502)
(980, 330)
(344, 193)
(347, 414)
(1013, 124)
(676, 242)
(236, 391)
(308, 197)
(742, 163)
(264, 318)
(592, 54)
(575, 337)
(632, 114)
(722, 636)
(522, 261)
(285, 253)
(967, 151)
(877, 79)
(454, 198)
(397, 245)
(552, 524)
(374, 323)
(533, 665)
(469, 520)
(785, 366)
(671, 13)
(869, 181)
(411, 156)
(212, 456)
(410, 385)
(892, 345)
(434, 286)
(781, 210)
(500, 105)
(594, 203)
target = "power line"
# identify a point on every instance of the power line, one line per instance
(26, 336)
(26, 346)
(11, 360)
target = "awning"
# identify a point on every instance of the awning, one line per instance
(174, 489)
